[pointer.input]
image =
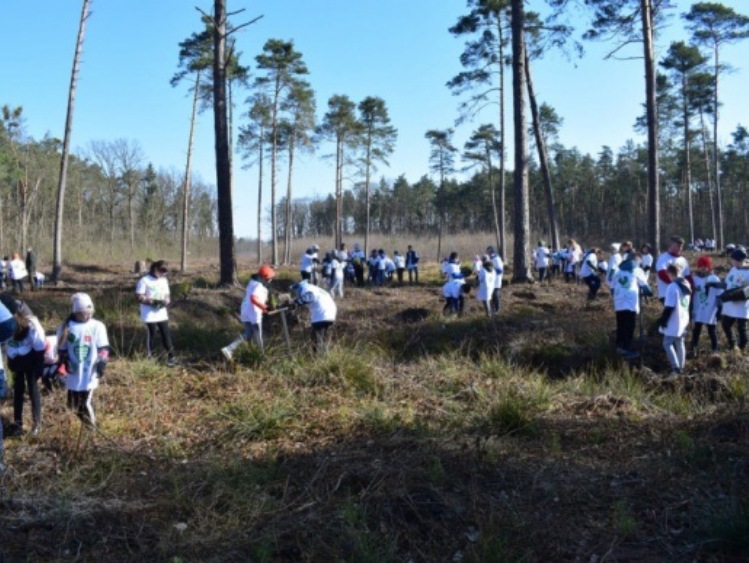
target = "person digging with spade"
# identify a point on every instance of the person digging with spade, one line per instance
(254, 306)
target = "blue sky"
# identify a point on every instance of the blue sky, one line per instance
(399, 50)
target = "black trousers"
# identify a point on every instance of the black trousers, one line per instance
(82, 402)
(320, 336)
(625, 328)
(728, 323)
(413, 275)
(166, 337)
(27, 370)
(712, 332)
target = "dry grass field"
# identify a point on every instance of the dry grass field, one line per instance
(417, 438)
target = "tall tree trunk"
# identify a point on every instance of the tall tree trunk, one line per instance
(273, 165)
(654, 225)
(543, 157)
(521, 249)
(339, 193)
(188, 173)
(502, 135)
(260, 198)
(288, 229)
(223, 158)
(716, 153)
(708, 175)
(687, 158)
(62, 179)
(367, 199)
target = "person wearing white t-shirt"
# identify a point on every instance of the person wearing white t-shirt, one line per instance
(573, 256)
(499, 268)
(628, 284)
(251, 311)
(83, 349)
(736, 312)
(671, 256)
(589, 272)
(18, 272)
(707, 289)
(153, 294)
(25, 353)
(675, 318)
(453, 291)
(541, 258)
(308, 263)
(7, 328)
(647, 258)
(336, 280)
(400, 265)
(322, 309)
(486, 277)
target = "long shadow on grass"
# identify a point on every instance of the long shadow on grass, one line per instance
(570, 490)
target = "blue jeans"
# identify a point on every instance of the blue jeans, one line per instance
(253, 332)
(594, 284)
(675, 351)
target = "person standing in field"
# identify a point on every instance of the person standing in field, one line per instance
(18, 272)
(705, 303)
(25, 353)
(83, 349)
(499, 268)
(671, 256)
(647, 258)
(153, 294)
(31, 266)
(736, 312)
(358, 260)
(573, 255)
(309, 262)
(400, 265)
(337, 267)
(674, 320)
(541, 258)
(486, 281)
(628, 285)
(589, 272)
(7, 329)
(412, 265)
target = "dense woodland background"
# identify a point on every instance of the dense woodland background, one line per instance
(120, 200)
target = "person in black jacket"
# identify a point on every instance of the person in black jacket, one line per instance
(31, 267)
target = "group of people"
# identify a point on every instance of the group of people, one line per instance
(15, 272)
(258, 303)
(343, 267)
(77, 353)
(699, 298)
(487, 270)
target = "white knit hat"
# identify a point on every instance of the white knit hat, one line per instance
(82, 303)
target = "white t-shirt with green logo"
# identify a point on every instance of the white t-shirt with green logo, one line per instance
(679, 319)
(83, 343)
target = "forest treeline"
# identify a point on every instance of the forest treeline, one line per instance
(115, 194)
(680, 180)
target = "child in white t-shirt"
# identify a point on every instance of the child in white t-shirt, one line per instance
(736, 312)
(83, 349)
(705, 303)
(675, 318)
